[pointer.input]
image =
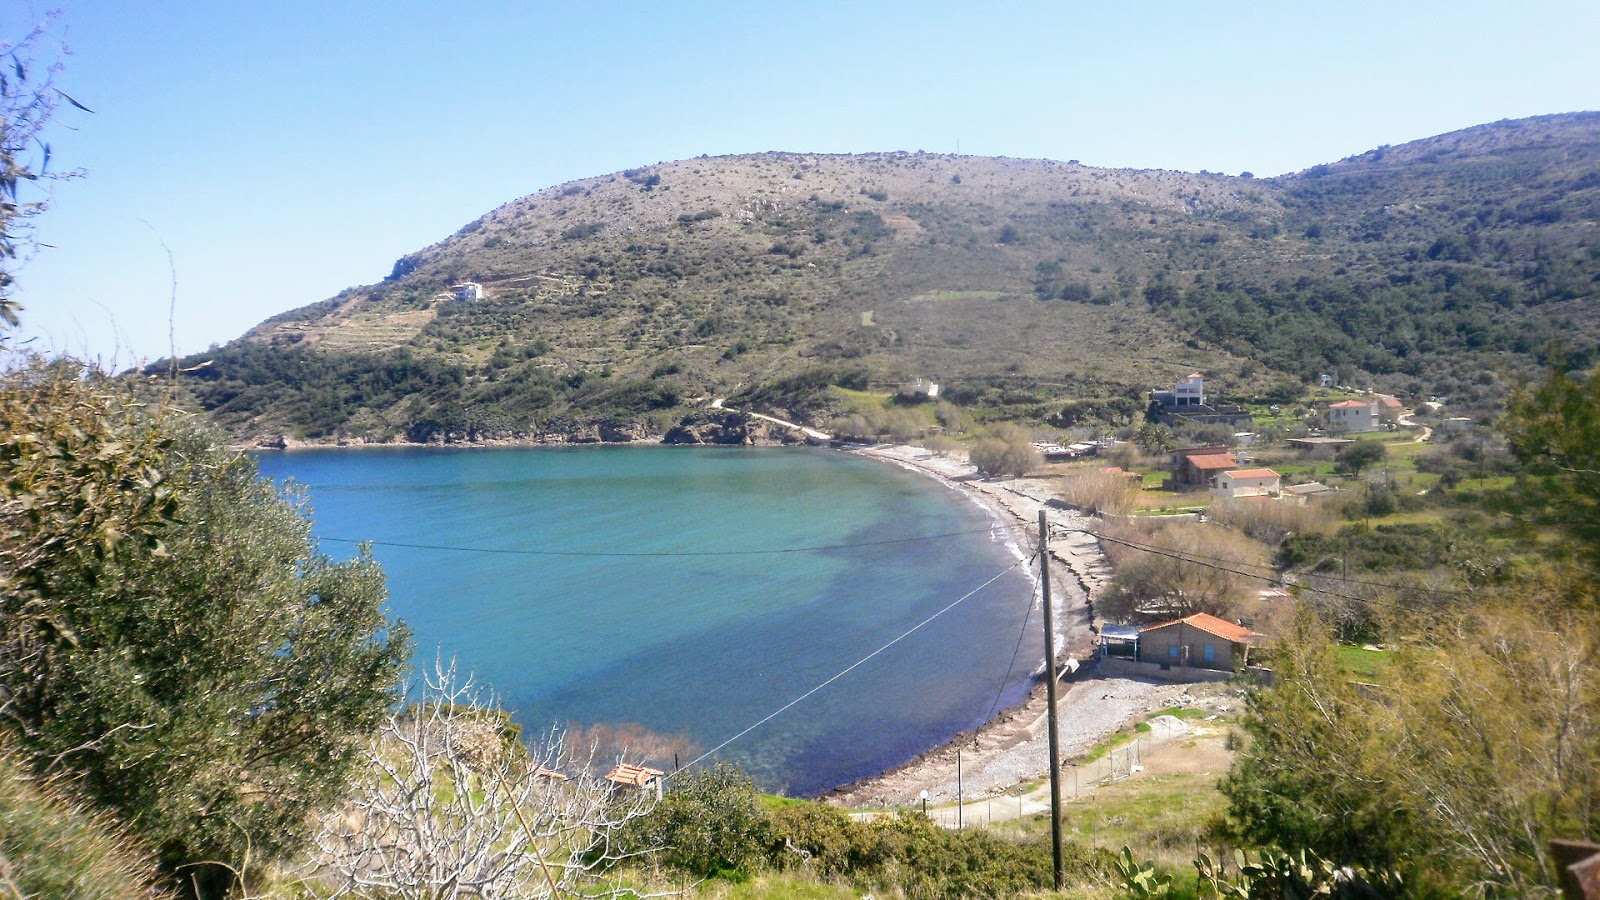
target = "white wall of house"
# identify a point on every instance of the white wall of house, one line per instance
(1190, 392)
(1354, 419)
(1229, 485)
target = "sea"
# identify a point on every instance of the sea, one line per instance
(807, 614)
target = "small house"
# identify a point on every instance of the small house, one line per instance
(1455, 425)
(640, 778)
(1353, 416)
(1190, 392)
(467, 291)
(919, 391)
(1200, 641)
(1236, 483)
(1200, 467)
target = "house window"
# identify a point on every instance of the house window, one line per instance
(1172, 652)
(1211, 653)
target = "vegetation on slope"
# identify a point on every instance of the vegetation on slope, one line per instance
(1028, 288)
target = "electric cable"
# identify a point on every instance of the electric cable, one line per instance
(1027, 616)
(851, 668)
(663, 553)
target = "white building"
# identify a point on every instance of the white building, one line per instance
(1353, 416)
(1245, 483)
(467, 291)
(1190, 392)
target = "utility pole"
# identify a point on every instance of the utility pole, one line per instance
(1050, 696)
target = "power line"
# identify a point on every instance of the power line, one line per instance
(1011, 666)
(647, 553)
(852, 667)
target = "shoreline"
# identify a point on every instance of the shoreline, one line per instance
(1012, 747)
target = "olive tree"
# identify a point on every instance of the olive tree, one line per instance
(171, 643)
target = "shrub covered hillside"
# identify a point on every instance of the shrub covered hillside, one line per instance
(1027, 288)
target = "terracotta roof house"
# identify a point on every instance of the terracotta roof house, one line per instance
(1200, 641)
(1353, 416)
(641, 778)
(1199, 467)
(1237, 483)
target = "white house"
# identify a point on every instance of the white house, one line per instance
(1353, 416)
(1190, 392)
(1245, 483)
(467, 291)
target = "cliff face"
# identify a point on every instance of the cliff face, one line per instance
(1032, 288)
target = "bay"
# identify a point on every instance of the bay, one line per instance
(696, 591)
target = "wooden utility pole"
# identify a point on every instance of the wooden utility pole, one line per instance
(1050, 696)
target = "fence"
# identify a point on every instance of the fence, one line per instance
(1076, 781)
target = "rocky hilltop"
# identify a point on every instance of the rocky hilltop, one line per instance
(618, 305)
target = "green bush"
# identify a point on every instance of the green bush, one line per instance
(712, 823)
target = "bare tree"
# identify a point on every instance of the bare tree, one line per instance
(451, 804)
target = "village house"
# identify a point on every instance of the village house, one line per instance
(1200, 641)
(1353, 416)
(467, 291)
(1236, 483)
(1189, 392)
(641, 778)
(1197, 467)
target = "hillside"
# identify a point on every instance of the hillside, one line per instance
(1029, 288)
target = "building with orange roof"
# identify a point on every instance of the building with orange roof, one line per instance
(1353, 416)
(641, 778)
(1200, 641)
(1198, 467)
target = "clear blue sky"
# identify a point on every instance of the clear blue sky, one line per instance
(286, 150)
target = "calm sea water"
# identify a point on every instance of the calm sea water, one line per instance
(679, 589)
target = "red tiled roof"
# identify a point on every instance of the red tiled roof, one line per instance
(1210, 624)
(1391, 402)
(1252, 473)
(633, 775)
(1352, 404)
(1212, 460)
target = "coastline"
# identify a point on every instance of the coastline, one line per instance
(1011, 748)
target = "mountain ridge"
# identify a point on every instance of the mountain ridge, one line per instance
(1033, 288)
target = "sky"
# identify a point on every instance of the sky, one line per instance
(244, 158)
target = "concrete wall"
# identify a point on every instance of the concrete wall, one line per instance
(1127, 668)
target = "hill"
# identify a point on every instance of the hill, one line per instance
(1029, 288)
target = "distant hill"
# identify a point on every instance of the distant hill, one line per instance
(1029, 288)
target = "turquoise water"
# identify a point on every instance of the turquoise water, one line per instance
(638, 586)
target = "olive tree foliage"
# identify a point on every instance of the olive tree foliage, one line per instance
(712, 822)
(171, 644)
(1458, 769)
(28, 101)
(449, 803)
(1553, 428)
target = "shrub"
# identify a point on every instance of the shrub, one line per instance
(712, 823)
(1100, 492)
